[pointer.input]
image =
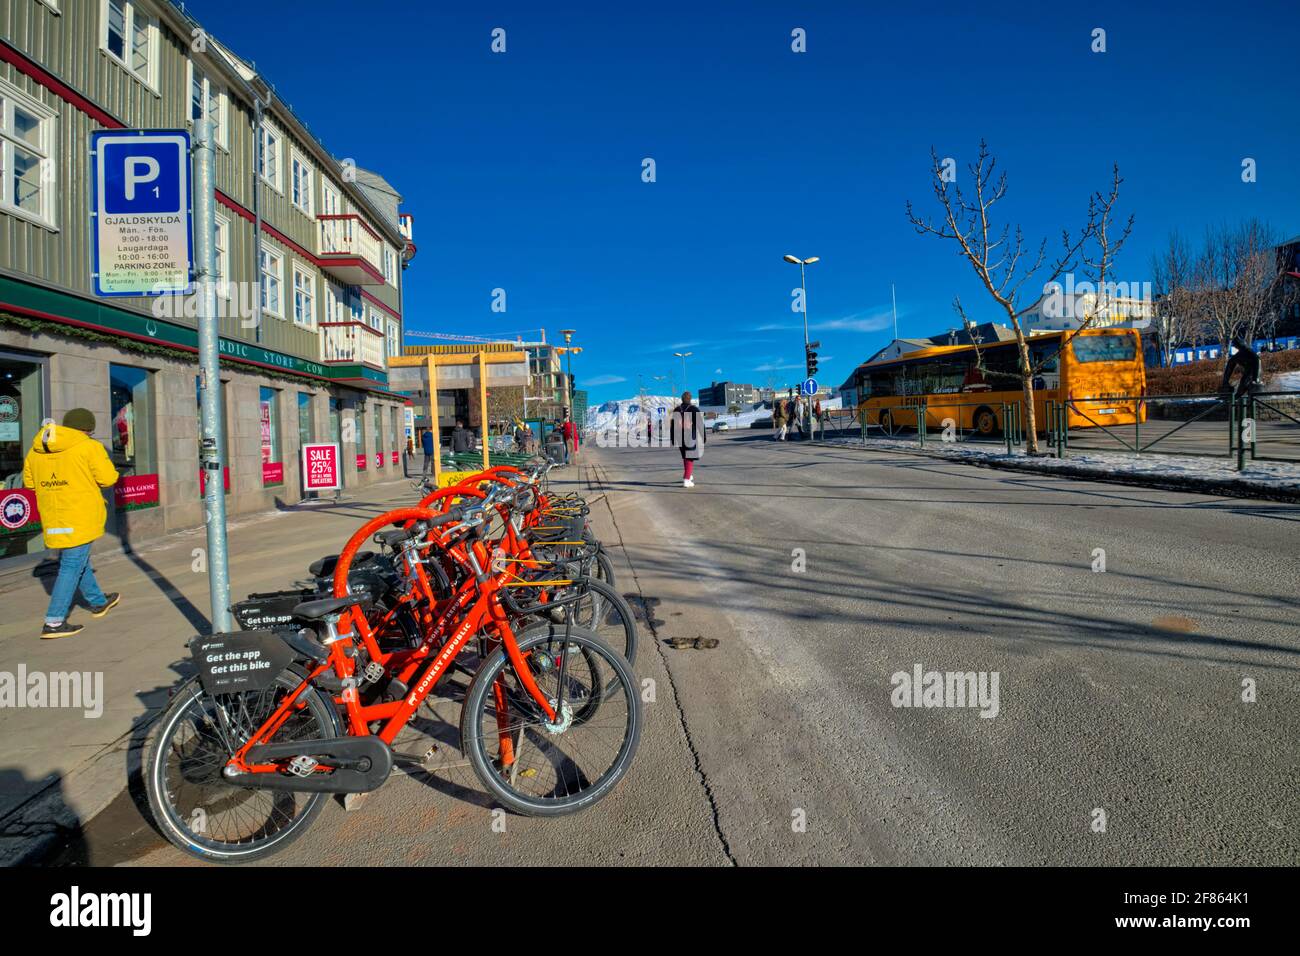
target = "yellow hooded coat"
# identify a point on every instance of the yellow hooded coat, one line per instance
(67, 468)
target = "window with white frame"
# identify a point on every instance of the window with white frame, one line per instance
(272, 147)
(27, 165)
(304, 298)
(208, 101)
(272, 265)
(223, 255)
(130, 36)
(394, 339)
(375, 320)
(390, 266)
(301, 185)
(330, 204)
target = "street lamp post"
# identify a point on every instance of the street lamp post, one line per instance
(682, 356)
(803, 285)
(569, 351)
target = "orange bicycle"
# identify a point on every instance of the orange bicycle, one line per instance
(276, 720)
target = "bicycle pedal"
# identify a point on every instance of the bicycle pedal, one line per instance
(302, 765)
(373, 672)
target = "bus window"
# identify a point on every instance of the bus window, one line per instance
(1104, 348)
(882, 384)
(1046, 356)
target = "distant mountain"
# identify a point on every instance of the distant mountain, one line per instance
(627, 411)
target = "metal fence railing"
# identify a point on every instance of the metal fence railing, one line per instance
(1259, 426)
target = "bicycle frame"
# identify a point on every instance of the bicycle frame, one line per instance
(478, 605)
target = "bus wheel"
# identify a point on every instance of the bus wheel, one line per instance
(887, 423)
(986, 423)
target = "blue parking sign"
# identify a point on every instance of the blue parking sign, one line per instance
(141, 211)
(141, 177)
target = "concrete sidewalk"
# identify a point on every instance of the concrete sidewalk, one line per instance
(59, 766)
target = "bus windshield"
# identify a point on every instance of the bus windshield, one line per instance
(1104, 348)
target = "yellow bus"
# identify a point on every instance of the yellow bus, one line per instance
(1100, 371)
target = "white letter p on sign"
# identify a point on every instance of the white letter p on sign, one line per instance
(134, 178)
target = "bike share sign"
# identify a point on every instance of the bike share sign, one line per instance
(140, 211)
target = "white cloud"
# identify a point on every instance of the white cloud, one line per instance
(857, 322)
(603, 380)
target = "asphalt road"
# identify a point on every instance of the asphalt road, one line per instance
(1120, 691)
(822, 573)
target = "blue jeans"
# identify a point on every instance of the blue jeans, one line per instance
(75, 574)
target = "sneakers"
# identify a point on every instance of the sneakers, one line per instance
(110, 602)
(51, 631)
(688, 482)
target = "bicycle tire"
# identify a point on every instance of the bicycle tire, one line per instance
(172, 824)
(604, 568)
(606, 615)
(478, 702)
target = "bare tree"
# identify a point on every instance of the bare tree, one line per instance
(1238, 281)
(1176, 309)
(1003, 261)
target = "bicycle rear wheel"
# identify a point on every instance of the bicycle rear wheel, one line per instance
(194, 806)
(541, 768)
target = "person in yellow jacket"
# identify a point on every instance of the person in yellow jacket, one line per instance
(67, 468)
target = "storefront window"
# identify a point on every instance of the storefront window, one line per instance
(306, 419)
(130, 429)
(336, 432)
(377, 423)
(22, 407)
(270, 418)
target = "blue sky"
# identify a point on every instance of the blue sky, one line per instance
(523, 169)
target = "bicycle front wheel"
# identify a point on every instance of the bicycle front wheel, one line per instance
(539, 767)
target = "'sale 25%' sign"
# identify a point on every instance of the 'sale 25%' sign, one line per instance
(320, 468)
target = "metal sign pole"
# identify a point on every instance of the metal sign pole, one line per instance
(211, 450)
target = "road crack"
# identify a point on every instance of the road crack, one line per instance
(596, 481)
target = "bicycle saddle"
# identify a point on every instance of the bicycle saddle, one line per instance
(315, 610)
(324, 567)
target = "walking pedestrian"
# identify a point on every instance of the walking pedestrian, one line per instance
(426, 445)
(462, 439)
(521, 437)
(686, 433)
(778, 420)
(67, 468)
(570, 432)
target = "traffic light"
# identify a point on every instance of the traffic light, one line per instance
(810, 358)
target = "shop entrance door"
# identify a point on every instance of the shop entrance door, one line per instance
(23, 400)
